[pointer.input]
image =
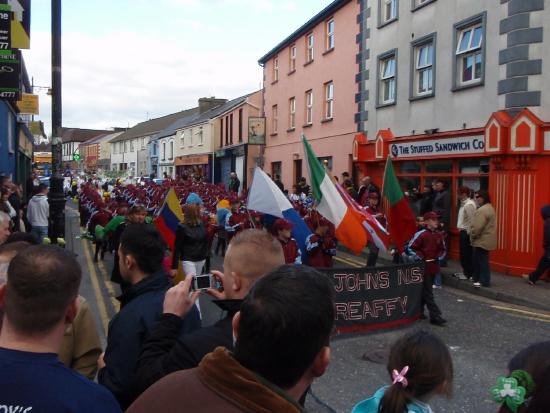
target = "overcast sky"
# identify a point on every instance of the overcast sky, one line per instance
(125, 61)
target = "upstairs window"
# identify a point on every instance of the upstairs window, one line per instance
(329, 100)
(388, 11)
(309, 107)
(330, 34)
(309, 47)
(274, 118)
(292, 113)
(388, 80)
(469, 55)
(292, 58)
(423, 73)
(276, 69)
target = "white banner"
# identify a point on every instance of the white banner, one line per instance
(438, 147)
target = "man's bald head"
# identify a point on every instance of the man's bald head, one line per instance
(253, 253)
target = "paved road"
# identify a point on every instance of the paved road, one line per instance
(482, 334)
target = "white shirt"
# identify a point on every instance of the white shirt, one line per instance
(466, 215)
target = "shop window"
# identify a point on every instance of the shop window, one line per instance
(410, 167)
(439, 167)
(475, 183)
(473, 166)
(469, 51)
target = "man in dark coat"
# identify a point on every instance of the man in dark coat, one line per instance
(544, 262)
(234, 183)
(251, 254)
(141, 255)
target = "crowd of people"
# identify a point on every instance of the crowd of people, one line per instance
(259, 356)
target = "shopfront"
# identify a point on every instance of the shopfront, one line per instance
(198, 166)
(509, 157)
(240, 159)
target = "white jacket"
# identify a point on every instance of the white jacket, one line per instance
(38, 211)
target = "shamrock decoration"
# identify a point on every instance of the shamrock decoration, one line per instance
(507, 391)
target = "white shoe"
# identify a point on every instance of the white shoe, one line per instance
(436, 286)
(477, 285)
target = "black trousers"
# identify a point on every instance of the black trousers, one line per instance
(428, 297)
(466, 254)
(544, 264)
(482, 272)
(373, 254)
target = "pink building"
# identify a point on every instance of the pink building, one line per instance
(310, 88)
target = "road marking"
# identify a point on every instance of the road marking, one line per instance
(524, 313)
(347, 261)
(95, 283)
(109, 285)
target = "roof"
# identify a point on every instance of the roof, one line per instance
(198, 118)
(42, 147)
(310, 24)
(153, 126)
(80, 135)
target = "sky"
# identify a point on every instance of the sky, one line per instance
(126, 61)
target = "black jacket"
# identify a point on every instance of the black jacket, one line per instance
(191, 244)
(442, 206)
(141, 308)
(545, 212)
(162, 353)
(234, 184)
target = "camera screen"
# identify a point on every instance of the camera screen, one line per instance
(202, 281)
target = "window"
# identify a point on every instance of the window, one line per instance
(330, 34)
(309, 48)
(154, 149)
(142, 143)
(274, 118)
(114, 149)
(276, 169)
(231, 129)
(190, 137)
(171, 150)
(199, 132)
(388, 11)
(292, 57)
(416, 4)
(387, 79)
(221, 133)
(227, 130)
(163, 151)
(182, 139)
(125, 146)
(276, 69)
(292, 113)
(309, 107)
(423, 57)
(240, 125)
(469, 63)
(329, 100)
(326, 161)
(132, 146)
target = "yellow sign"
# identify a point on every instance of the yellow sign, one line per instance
(28, 104)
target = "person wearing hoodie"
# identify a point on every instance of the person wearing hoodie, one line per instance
(38, 212)
(544, 262)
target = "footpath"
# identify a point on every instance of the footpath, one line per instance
(505, 288)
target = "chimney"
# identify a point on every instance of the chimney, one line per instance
(209, 103)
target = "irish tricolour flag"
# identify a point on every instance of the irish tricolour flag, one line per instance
(349, 229)
(401, 219)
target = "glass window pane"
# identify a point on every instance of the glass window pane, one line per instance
(467, 69)
(464, 41)
(430, 56)
(478, 66)
(421, 56)
(439, 167)
(469, 166)
(477, 37)
(392, 89)
(409, 167)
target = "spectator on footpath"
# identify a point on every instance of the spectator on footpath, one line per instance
(466, 214)
(442, 207)
(39, 300)
(420, 367)
(5, 205)
(141, 252)
(303, 187)
(279, 183)
(4, 227)
(426, 199)
(281, 229)
(136, 215)
(366, 188)
(483, 238)
(38, 212)
(234, 183)
(544, 262)
(350, 188)
(16, 201)
(428, 245)
(527, 387)
(277, 354)
(296, 195)
(251, 254)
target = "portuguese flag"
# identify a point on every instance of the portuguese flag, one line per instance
(331, 205)
(401, 219)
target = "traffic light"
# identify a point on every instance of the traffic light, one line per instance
(76, 157)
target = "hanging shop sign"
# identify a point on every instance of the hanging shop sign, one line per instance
(5, 29)
(256, 131)
(438, 147)
(20, 23)
(28, 104)
(10, 73)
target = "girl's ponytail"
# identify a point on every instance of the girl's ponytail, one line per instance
(395, 399)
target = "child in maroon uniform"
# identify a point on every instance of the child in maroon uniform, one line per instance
(281, 229)
(428, 245)
(320, 245)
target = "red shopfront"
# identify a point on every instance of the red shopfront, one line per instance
(509, 157)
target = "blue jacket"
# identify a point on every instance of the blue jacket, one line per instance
(140, 309)
(371, 405)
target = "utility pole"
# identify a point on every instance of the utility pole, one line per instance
(57, 198)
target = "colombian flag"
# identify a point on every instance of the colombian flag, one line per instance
(169, 217)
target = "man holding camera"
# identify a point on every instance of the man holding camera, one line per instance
(250, 255)
(141, 253)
